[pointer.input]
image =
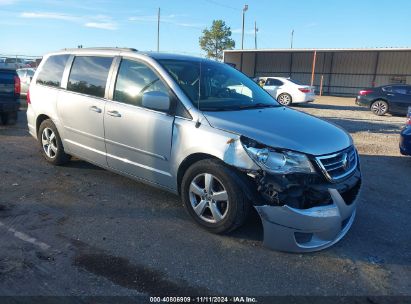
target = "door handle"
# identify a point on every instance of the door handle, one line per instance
(114, 113)
(390, 94)
(95, 109)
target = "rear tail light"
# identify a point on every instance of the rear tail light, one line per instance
(305, 90)
(17, 87)
(408, 123)
(28, 97)
(365, 92)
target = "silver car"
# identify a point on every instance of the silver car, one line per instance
(25, 75)
(205, 131)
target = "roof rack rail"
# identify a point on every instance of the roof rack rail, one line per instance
(102, 48)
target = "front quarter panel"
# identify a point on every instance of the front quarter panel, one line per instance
(191, 138)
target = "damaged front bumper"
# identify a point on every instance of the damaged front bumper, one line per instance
(294, 229)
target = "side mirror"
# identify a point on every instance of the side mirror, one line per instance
(156, 100)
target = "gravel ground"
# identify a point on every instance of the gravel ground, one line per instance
(81, 230)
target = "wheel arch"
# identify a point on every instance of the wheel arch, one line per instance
(39, 120)
(187, 162)
(379, 99)
(240, 176)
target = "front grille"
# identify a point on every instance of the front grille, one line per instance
(338, 165)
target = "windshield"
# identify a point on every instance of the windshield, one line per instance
(214, 86)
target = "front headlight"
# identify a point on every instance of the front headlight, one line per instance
(279, 162)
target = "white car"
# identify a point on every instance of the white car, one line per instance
(287, 90)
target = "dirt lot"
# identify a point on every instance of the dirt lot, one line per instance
(81, 230)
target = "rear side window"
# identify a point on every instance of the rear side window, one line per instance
(89, 75)
(273, 82)
(52, 71)
(133, 80)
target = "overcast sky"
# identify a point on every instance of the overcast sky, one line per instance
(37, 27)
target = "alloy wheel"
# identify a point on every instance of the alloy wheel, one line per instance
(209, 198)
(284, 99)
(379, 107)
(49, 142)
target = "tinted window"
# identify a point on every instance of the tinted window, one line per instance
(273, 82)
(52, 70)
(399, 89)
(89, 75)
(133, 80)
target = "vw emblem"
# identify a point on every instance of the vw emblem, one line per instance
(345, 162)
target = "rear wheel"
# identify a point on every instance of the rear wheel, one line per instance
(51, 145)
(379, 107)
(285, 99)
(213, 196)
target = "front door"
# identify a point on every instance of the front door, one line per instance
(138, 140)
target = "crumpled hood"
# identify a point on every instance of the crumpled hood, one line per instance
(283, 127)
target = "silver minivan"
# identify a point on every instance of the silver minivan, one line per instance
(205, 131)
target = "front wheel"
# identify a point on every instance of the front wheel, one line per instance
(213, 196)
(379, 107)
(285, 99)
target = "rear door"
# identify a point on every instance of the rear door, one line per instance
(138, 140)
(81, 107)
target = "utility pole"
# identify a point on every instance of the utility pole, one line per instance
(242, 33)
(292, 38)
(158, 30)
(255, 34)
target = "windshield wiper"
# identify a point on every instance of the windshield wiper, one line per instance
(259, 105)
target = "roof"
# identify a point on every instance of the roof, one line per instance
(116, 51)
(385, 49)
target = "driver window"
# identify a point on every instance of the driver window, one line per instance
(133, 80)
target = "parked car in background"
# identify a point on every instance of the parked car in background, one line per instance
(25, 75)
(13, 63)
(286, 90)
(184, 124)
(9, 95)
(405, 137)
(394, 99)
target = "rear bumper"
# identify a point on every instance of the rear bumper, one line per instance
(304, 98)
(11, 105)
(360, 101)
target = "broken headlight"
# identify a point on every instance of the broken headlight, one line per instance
(277, 161)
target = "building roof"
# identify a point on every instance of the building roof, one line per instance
(382, 49)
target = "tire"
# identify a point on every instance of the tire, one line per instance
(9, 118)
(50, 143)
(379, 107)
(231, 202)
(284, 99)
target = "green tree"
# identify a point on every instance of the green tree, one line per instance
(216, 39)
